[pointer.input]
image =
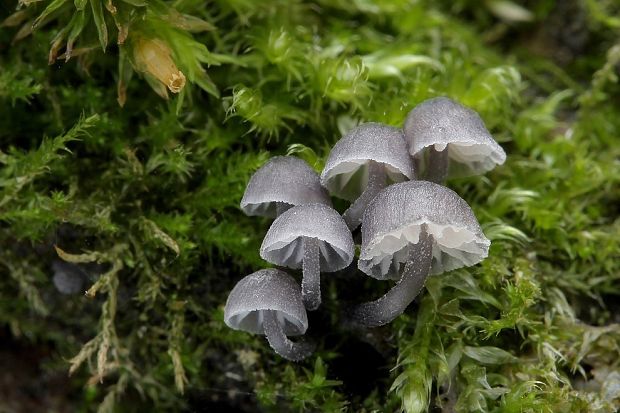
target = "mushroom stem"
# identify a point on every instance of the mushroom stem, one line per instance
(376, 182)
(281, 207)
(437, 169)
(311, 281)
(280, 343)
(394, 302)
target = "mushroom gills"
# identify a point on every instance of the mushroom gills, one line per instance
(311, 267)
(385, 309)
(437, 168)
(376, 182)
(292, 252)
(453, 248)
(280, 343)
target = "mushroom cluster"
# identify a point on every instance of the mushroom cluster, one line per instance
(411, 225)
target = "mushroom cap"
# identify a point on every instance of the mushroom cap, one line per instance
(68, 278)
(393, 220)
(264, 290)
(283, 244)
(285, 180)
(442, 121)
(346, 171)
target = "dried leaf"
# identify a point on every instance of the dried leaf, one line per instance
(85, 353)
(102, 357)
(154, 231)
(122, 20)
(180, 379)
(15, 19)
(56, 44)
(78, 258)
(125, 72)
(110, 7)
(24, 31)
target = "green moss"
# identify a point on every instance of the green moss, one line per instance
(149, 192)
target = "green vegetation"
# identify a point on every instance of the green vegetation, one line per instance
(141, 185)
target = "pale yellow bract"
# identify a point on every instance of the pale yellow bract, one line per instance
(153, 56)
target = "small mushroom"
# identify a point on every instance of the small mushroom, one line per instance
(68, 278)
(450, 133)
(269, 302)
(312, 237)
(283, 182)
(362, 163)
(417, 228)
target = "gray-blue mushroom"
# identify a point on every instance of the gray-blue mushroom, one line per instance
(269, 302)
(312, 237)
(364, 161)
(448, 139)
(283, 182)
(409, 231)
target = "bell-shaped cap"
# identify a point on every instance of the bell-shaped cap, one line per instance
(264, 290)
(346, 171)
(393, 220)
(442, 122)
(283, 245)
(283, 180)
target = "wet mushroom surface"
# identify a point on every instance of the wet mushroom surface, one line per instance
(364, 161)
(448, 139)
(312, 237)
(410, 231)
(282, 182)
(269, 302)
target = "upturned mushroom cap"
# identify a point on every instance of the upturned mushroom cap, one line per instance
(263, 290)
(393, 220)
(442, 121)
(283, 244)
(285, 180)
(346, 171)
